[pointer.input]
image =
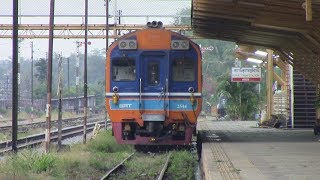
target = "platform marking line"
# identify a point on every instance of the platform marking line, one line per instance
(225, 166)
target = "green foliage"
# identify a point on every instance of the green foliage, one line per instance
(3, 111)
(43, 162)
(40, 91)
(242, 98)
(41, 69)
(142, 166)
(27, 161)
(105, 143)
(182, 165)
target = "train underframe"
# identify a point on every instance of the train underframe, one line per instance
(153, 133)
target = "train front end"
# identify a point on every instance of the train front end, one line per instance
(153, 87)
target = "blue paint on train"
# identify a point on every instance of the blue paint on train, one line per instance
(152, 104)
(165, 58)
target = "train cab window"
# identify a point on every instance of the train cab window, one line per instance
(153, 73)
(183, 70)
(123, 69)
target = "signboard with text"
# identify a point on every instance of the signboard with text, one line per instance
(246, 74)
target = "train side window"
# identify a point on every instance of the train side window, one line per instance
(123, 69)
(183, 70)
(153, 73)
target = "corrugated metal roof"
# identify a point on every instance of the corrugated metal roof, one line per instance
(277, 24)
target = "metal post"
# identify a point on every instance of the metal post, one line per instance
(115, 18)
(31, 80)
(49, 78)
(60, 102)
(77, 78)
(107, 47)
(68, 77)
(85, 74)
(15, 57)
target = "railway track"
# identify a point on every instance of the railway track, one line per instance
(24, 126)
(31, 141)
(115, 169)
(164, 168)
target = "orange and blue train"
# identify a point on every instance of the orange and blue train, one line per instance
(153, 87)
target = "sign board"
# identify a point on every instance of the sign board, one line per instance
(246, 74)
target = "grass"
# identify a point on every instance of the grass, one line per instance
(182, 165)
(4, 137)
(89, 161)
(93, 160)
(142, 166)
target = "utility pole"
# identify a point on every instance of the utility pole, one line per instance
(68, 77)
(85, 74)
(77, 78)
(49, 78)
(107, 46)
(31, 80)
(15, 70)
(60, 102)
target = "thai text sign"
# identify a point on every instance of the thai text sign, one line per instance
(246, 74)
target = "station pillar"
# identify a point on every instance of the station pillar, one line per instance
(269, 83)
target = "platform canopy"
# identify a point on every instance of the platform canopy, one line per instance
(290, 27)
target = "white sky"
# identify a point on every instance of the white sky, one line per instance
(76, 7)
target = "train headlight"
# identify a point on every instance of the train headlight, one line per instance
(115, 89)
(180, 44)
(128, 44)
(191, 90)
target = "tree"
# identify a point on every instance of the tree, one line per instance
(242, 98)
(41, 69)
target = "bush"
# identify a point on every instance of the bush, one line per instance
(106, 143)
(182, 165)
(26, 161)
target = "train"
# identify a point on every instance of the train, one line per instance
(153, 87)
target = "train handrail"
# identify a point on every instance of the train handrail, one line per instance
(166, 99)
(140, 94)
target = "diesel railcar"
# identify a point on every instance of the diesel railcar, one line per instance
(153, 87)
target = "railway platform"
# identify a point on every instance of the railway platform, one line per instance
(241, 150)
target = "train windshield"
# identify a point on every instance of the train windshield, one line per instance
(183, 70)
(123, 69)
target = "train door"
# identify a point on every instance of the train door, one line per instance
(154, 83)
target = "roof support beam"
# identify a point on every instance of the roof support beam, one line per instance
(308, 10)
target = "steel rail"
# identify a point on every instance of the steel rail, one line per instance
(164, 168)
(39, 138)
(116, 167)
(33, 124)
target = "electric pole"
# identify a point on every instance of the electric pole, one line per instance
(77, 78)
(31, 80)
(49, 78)
(85, 74)
(107, 45)
(15, 70)
(68, 78)
(60, 101)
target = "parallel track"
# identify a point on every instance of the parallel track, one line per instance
(116, 167)
(36, 139)
(164, 168)
(41, 123)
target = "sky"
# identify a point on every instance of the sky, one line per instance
(138, 8)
